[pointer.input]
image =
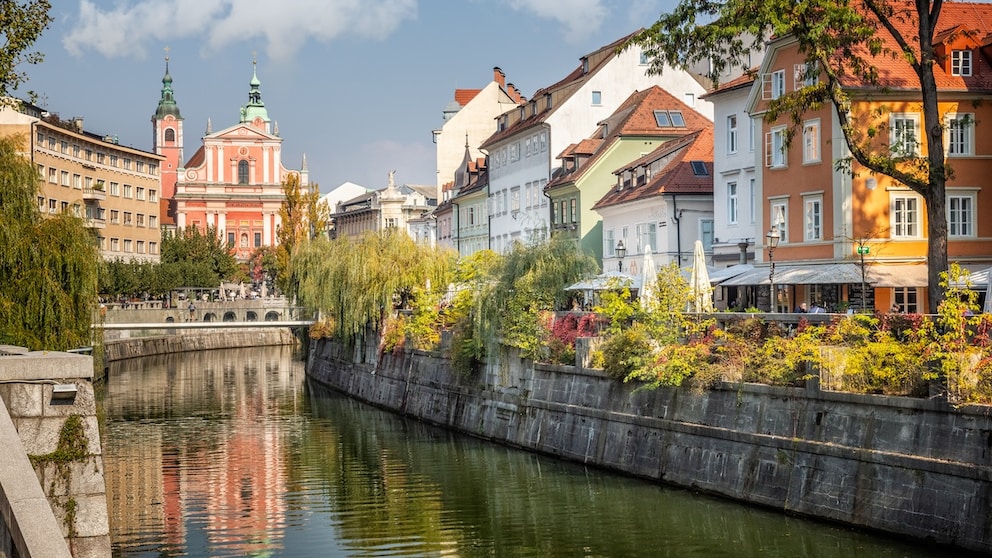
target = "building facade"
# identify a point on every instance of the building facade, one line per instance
(116, 189)
(233, 183)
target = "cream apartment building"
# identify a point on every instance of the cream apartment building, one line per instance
(115, 188)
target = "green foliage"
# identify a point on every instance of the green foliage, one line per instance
(303, 217)
(628, 353)
(23, 24)
(190, 258)
(48, 266)
(358, 283)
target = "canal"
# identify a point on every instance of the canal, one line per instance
(234, 453)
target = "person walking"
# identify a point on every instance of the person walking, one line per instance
(192, 312)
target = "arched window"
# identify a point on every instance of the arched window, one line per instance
(170, 134)
(242, 172)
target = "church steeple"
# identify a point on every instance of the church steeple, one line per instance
(167, 104)
(255, 107)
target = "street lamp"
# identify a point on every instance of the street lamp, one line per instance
(621, 252)
(862, 250)
(773, 237)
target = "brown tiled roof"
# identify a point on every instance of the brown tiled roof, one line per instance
(677, 177)
(569, 84)
(744, 81)
(972, 18)
(196, 160)
(634, 117)
(463, 96)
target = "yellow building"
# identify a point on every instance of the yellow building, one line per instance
(115, 188)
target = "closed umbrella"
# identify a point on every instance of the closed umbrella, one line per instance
(701, 291)
(649, 280)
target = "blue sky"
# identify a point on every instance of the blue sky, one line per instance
(356, 85)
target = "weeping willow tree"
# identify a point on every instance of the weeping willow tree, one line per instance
(356, 283)
(523, 284)
(48, 266)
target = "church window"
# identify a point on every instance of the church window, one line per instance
(170, 134)
(242, 172)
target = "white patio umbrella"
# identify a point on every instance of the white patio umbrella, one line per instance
(241, 290)
(222, 292)
(265, 289)
(701, 291)
(649, 281)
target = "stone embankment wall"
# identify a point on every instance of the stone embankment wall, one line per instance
(61, 504)
(119, 349)
(912, 467)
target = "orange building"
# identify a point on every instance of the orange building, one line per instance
(824, 215)
(233, 182)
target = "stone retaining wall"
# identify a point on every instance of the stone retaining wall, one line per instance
(120, 349)
(905, 466)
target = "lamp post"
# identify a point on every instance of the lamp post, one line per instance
(621, 252)
(862, 250)
(773, 237)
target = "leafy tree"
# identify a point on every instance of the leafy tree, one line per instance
(303, 217)
(48, 266)
(22, 24)
(357, 283)
(847, 41)
(195, 259)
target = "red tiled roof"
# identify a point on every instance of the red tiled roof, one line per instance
(677, 177)
(744, 81)
(196, 160)
(463, 96)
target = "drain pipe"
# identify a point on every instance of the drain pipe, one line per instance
(677, 217)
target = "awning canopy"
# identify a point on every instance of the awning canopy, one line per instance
(812, 274)
(898, 275)
(606, 280)
(724, 273)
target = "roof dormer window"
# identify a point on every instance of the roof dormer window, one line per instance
(961, 63)
(669, 119)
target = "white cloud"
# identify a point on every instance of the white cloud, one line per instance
(580, 18)
(124, 29)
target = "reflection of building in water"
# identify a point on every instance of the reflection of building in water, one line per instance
(226, 466)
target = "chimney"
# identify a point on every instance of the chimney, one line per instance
(499, 77)
(512, 92)
(77, 123)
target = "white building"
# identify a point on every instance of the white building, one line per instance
(522, 152)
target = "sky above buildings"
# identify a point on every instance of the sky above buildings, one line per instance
(355, 85)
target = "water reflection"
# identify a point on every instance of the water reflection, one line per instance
(231, 453)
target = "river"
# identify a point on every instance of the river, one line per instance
(235, 453)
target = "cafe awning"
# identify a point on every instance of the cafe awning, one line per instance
(810, 274)
(724, 273)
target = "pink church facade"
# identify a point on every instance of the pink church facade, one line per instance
(233, 183)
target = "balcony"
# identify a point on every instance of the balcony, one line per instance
(94, 223)
(95, 194)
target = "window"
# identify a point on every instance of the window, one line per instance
(258, 239)
(153, 247)
(140, 219)
(242, 172)
(127, 190)
(127, 245)
(732, 133)
(905, 216)
(115, 244)
(51, 142)
(41, 138)
(597, 98)
(780, 217)
(811, 141)
(64, 206)
(806, 75)
(773, 85)
(128, 218)
(907, 298)
(644, 59)
(669, 119)
(65, 178)
(960, 134)
(152, 168)
(100, 157)
(113, 161)
(732, 203)
(515, 198)
(574, 209)
(115, 217)
(752, 195)
(52, 176)
(689, 99)
(139, 166)
(152, 221)
(170, 134)
(905, 133)
(960, 62)
(65, 147)
(699, 168)
(961, 215)
(813, 217)
(230, 240)
(75, 151)
(77, 181)
(140, 193)
(127, 163)
(648, 237)
(141, 246)
(41, 203)
(706, 234)
(775, 148)
(115, 189)
(152, 195)
(609, 243)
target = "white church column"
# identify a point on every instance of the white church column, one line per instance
(267, 229)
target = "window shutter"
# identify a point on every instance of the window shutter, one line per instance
(768, 149)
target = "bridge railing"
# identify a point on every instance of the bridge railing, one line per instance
(205, 315)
